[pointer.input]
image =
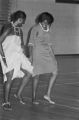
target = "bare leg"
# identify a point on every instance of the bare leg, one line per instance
(25, 80)
(35, 83)
(51, 83)
(7, 88)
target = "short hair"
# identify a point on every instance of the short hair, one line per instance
(45, 16)
(16, 15)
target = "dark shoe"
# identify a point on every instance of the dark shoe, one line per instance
(20, 99)
(6, 106)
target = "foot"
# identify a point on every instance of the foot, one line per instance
(35, 102)
(20, 99)
(6, 106)
(48, 99)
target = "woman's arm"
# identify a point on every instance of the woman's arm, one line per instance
(2, 38)
(52, 49)
(31, 53)
(22, 40)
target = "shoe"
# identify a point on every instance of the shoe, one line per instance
(20, 99)
(48, 99)
(6, 106)
(35, 102)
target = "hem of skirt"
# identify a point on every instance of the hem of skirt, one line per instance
(43, 73)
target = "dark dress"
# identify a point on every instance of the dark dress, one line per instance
(43, 60)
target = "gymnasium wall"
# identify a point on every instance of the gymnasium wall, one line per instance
(65, 30)
(4, 10)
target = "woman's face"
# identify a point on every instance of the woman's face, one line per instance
(19, 22)
(45, 25)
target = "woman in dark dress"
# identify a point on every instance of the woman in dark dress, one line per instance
(42, 53)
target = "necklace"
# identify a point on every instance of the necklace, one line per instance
(16, 29)
(44, 29)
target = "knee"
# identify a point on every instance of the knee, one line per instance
(27, 74)
(55, 73)
(8, 84)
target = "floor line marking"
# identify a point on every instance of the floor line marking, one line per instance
(69, 73)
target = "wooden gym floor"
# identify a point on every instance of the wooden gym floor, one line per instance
(65, 94)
